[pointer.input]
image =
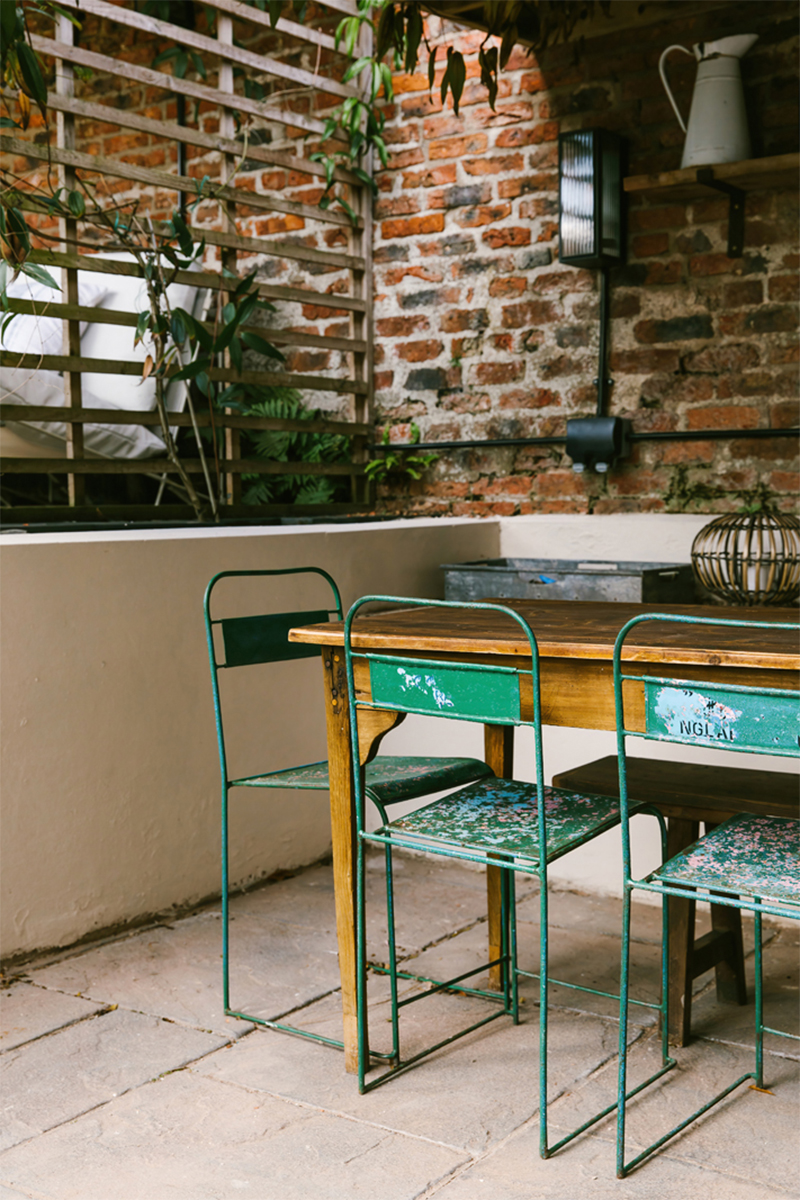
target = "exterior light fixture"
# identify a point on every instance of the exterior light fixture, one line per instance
(590, 225)
(591, 233)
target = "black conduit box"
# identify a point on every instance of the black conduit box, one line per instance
(597, 442)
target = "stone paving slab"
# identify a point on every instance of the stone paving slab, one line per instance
(575, 956)
(55, 1078)
(28, 1012)
(191, 1138)
(769, 1154)
(470, 1094)
(585, 1170)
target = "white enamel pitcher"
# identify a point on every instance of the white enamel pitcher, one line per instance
(717, 130)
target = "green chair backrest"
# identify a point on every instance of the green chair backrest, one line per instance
(415, 683)
(722, 716)
(696, 712)
(261, 637)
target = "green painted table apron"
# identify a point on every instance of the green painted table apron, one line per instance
(576, 643)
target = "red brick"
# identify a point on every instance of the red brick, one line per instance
(560, 483)
(509, 286)
(400, 326)
(412, 226)
(664, 273)
(785, 481)
(743, 292)
(784, 287)
(648, 245)
(396, 206)
(644, 362)
(493, 166)
(503, 372)
(784, 415)
(484, 214)
(528, 312)
(784, 354)
(405, 158)
(688, 452)
(460, 321)
(735, 356)
(442, 127)
(719, 416)
(711, 264)
(506, 237)
(419, 351)
(432, 177)
(672, 217)
(383, 380)
(476, 143)
(394, 275)
(530, 135)
(503, 341)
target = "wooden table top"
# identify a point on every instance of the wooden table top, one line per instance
(575, 629)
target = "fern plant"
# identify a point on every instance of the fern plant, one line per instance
(286, 446)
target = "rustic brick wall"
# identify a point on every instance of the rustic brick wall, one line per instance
(482, 334)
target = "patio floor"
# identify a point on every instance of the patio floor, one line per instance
(121, 1079)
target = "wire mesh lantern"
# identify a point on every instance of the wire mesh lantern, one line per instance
(749, 558)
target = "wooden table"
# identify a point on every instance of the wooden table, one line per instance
(576, 641)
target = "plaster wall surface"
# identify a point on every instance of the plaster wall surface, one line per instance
(110, 781)
(109, 788)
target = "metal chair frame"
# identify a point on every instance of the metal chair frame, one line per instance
(262, 638)
(766, 729)
(485, 694)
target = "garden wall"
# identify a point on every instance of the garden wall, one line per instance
(482, 334)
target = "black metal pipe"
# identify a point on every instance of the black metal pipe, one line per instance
(674, 435)
(602, 382)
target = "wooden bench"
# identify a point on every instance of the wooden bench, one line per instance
(688, 793)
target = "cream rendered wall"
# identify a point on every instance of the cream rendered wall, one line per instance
(110, 793)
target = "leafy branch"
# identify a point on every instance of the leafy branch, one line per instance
(398, 461)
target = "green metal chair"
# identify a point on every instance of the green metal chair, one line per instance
(507, 823)
(247, 640)
(747, 862)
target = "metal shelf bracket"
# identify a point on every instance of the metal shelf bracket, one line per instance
(705, 175)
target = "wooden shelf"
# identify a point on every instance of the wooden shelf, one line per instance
(781, 171)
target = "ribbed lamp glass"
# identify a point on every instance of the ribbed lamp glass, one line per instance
(749, 558)
(590, 228)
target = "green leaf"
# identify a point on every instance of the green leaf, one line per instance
(8, 23)
(7, 122)
(275, 8)
(199, 65)
(32, 74)
(262, 346)
(488, 65)
(177, 329)
(355, 69)
(385, 36)
(39, 274)
(193, 370)
(457, 75)
(413, 37)
(431, 68)
(236, 353)
(76, 204)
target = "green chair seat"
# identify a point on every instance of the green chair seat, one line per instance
(500, 816)
(388, 780)
(747, 854)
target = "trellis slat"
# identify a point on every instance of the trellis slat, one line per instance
(162, 466)
(109, 316)
(25, 413)
(183, 183)
(254, 16)
(171, 84)
(124, 119)
(200, 279)
(199, 41)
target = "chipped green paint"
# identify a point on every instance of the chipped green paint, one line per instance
(500, 816)
(465, 690)
(749, 855)
(388, 780)
(722, 717)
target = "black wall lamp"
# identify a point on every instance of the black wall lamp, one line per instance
(591, 233)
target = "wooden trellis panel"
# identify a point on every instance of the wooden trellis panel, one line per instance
(311, 262)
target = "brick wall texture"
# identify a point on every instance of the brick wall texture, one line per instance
(481, 333)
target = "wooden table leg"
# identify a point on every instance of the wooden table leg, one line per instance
(498, 742)
(343, 832)
(680, 834)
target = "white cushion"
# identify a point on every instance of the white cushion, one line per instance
(18, 386)
(28, 334)
(128, 293)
